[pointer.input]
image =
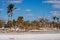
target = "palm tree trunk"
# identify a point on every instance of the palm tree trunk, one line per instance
(9, 17)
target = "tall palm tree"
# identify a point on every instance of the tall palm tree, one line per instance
(10, 10)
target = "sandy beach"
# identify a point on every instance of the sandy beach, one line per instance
(55, 35)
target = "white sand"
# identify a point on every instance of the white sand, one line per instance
(30, 36)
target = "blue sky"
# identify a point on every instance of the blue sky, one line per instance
(31, 9)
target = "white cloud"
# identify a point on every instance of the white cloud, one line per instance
(1, 9)
(55, 13)
(28, 10)
(15, 1)
(52, 1)
(56, 6)
(28, 15)
(18, 9)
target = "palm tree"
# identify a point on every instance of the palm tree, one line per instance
(20, 21)
(10, 9)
